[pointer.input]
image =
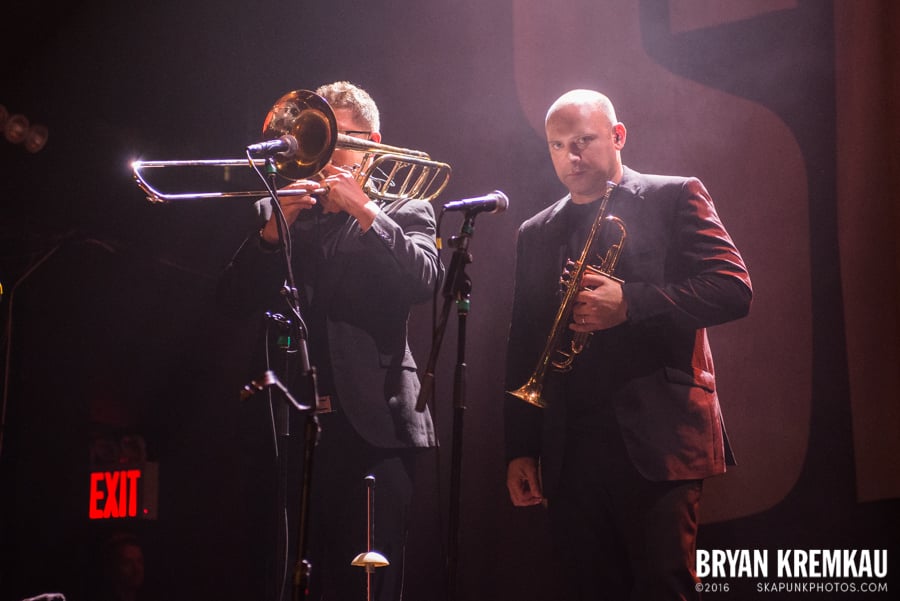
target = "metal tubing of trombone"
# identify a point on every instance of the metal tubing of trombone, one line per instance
(349, 142)
(156, 196)
(307, 119)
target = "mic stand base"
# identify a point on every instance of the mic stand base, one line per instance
(302, 569)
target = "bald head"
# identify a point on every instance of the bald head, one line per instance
(585, 142)
(590, 100)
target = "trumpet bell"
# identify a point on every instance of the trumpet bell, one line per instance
(310, 120)
(530, 392)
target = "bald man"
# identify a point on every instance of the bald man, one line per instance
(628, 435)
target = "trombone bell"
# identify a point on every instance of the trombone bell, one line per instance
(310, 120)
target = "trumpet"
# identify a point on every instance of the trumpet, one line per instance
(387, 173)
(563, 346)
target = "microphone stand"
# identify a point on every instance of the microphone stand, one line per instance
(310, 440)
(269, 379)
(457, 289)
(309, 395)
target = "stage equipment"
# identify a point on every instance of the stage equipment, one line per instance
(370, 559)
(563, 345)
(495, 202)
(386, 173)
(15, 128)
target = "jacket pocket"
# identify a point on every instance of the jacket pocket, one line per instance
(700, 378)
(388, 360)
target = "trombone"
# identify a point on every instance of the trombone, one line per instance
(387, 173)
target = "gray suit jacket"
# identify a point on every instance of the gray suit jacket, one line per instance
(357, 290)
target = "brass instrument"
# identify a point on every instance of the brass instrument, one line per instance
(387, 173)
(563, 345)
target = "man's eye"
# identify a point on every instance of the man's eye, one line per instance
(584, 141)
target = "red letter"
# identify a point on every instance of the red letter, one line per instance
(112, 482)
(96, 495)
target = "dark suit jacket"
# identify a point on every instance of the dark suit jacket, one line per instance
(682, 274)
(357, 290)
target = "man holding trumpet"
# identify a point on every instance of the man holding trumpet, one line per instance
(618, 446)
(360, 265)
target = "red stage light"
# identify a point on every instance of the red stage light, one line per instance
(36, 138)
(15, 129)
(18, 130)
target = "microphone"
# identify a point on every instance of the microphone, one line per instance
(286, 146)
(495, 202)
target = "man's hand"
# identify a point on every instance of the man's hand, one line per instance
(523, 482)
(344, 194)
(291, 205)
(600, 304)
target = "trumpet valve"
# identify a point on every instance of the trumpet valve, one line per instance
(565, 278)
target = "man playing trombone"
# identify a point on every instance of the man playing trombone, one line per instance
(360, 265)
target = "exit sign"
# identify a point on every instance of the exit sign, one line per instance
(129, 492)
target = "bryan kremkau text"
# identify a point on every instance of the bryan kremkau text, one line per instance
(792, 563)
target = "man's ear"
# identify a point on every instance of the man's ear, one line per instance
(619, 134)
(376, 137)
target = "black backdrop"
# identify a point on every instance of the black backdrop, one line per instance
(108, 299)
